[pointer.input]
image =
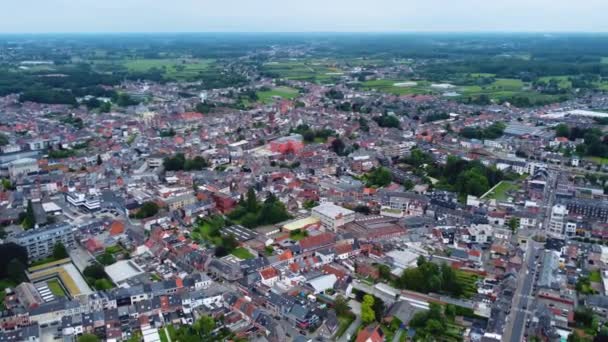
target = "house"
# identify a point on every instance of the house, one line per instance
(371, 333)
(269, 276)
(330, 326)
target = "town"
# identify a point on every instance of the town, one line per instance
(276, 195)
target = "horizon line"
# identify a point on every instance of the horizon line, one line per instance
(304, 32)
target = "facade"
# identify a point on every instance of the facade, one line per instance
(22, 166)
(78, 199)
(39, 243)
(333, 216)
(559, 214)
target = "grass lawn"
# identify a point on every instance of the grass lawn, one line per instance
(205, 229)
(55, 288)
(595, 276)
(604, 60)
(242, 253)
(343, 324)
(171, 330)
(297, 236)
(163, 335)
(598, 160)
(115, 249)
(286, 93)
(501, 190)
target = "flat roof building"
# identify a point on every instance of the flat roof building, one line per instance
(333, 216)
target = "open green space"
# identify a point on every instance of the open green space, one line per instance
(343, 323)
(501, 87)
(597, 160)
(163, 335)
(604, 60)
(397, 87)
(55, 288)
(501, 190)
(175, 68)
(468, 281)
(298, 234)
(242, 253)
(285, 93)
(563, 81)
(303, 70)
(595, 276)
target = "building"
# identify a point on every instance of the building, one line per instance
(77, 199)
(333, 216)
(290, 144)
(22, 166)
(179, 202)
(559, 214)
(39, 243)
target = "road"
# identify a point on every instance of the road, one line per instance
(523, 299)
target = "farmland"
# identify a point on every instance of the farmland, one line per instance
(303, 70)
(285, 93)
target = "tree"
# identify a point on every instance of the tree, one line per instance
(204, 325)
(3, 139)
(384, 271)
(59, 251)
(341, 305)
(251, 202)
(379, 177)
(513, 223)
(378, 308)
(15, 271)
(337, 145)
(367, 312)
(148, 209)
(30, 219)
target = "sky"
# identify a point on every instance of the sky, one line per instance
(52, 16)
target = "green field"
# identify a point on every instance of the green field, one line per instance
(321, 71)
(173, 68)
(598, 160)
(595, 276)
(501, 87)
(242, 253)
(604, 60)
(393, 87)
(501, 190)
(286, 93)
(563, 81)
(55, 288)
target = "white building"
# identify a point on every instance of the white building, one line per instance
(333, 216)
(39, 243)
(22, 166)
(557, 222)
(78, 199)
